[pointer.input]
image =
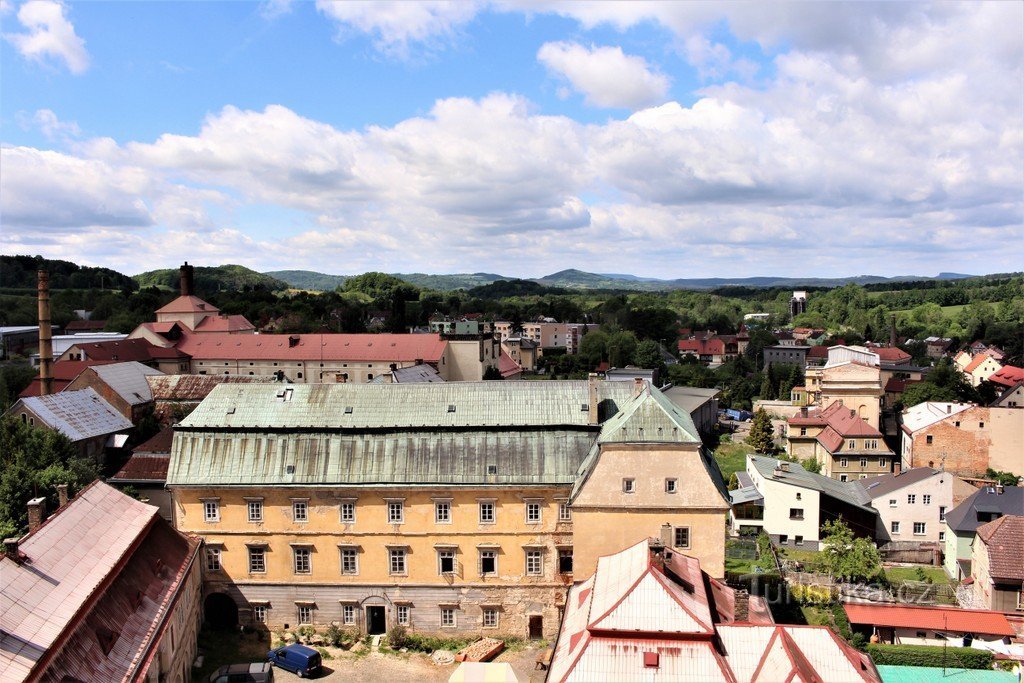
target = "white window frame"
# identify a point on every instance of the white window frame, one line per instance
(911, 499)
(261, 552)
(304, 611)
(211, 510)
(259, 614)
(348, 506)
(671, 485)
(254, 509)
(883, 462)
(348, 615)
(442, 512)
(924, 528)
(213, 560)
(398, 562)
(844, 462)
(628, 485)
(396, 511)
(564, 511)
(345, 554)
(300, 510)
(489, 618)
(534, 562)
(894, 527)
(446, 554)
(863, 463)
(302, 560)
(448, 618)
(402, 615)
(942, 513)
(493, 514)
(493, 554)
(534, 512)
(893, 502)
(926, 499)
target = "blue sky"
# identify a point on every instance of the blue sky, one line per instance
(663, 139)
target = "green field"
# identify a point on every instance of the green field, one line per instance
(948, 311)
(896, 574)
(732, 456)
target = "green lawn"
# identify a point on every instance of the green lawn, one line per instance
(732, 456)
(947, 311)
(739, 566)
(896, 574)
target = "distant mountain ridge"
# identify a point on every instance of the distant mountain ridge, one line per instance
(578, 279)
(212, 279)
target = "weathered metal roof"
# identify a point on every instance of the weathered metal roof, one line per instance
(78, 415)
(197, 387)
(406, 406)
(747, 494)
(796, 475)
(415, 457)
(649, 417)
(127, 380)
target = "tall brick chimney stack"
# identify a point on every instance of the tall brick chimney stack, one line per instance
(62, 494)
(593, 416)
(187, 279)
(36, 513)
(11, 550)
(45, 336)
(741, 611)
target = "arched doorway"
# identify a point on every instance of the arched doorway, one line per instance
(221, 611)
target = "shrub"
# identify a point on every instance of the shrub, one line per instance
(809, 594)
(422, 643)
(930, 655)
(398, 637)
(339, 637)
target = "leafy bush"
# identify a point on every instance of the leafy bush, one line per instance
(929, 655)
(421, 643)
(339, 637)
(398, 637)
(807, 594)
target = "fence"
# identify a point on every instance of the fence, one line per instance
(909, 552)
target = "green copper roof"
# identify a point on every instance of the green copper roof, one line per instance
(649, 417)
(458, 405)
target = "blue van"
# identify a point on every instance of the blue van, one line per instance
(302, 660)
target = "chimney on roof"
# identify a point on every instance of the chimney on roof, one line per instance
(666, 535)
(592, 412)
(187, 279)
(62, 494)
(638, 386)
(11, 550)
(741, 610)
(999, 489)
(45, 336)
(949, 409)
(36, 513)
(293, 341)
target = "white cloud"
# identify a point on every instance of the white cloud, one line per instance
(272, 9)
(606, 76)
(53, 128)
(396, 25)
(50, 36)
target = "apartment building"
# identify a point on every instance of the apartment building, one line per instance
(963, 438)
(845, 445)
(912, 504)
(443, 507)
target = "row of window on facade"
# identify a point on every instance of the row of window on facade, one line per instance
(398, 560)
(306, 614)
(920, 529)
(486, 511)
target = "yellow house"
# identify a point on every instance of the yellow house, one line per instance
(444, 507)
(857, 385)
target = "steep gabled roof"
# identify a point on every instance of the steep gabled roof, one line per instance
(1008, 376)
(649, 416)
(964, 517)
(796, 475)
(189, 304)
(128, 380)
(1004, 542)
(888, 483)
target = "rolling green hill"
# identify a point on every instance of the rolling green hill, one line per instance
(19, 272)
(219, 278)
(314, 281)
(309, 279)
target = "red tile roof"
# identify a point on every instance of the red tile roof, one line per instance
(840, 424)
(140, 350)
(313, 347)
(704, 346)
(84, 326)
(930, 618)
(1008, 376)
(159, 443)
(898, 386)
(189, 304)
(890, 354)
(820, 351)
(1004, 541)
(64, 372)
(144, 468)
(977, 361)
(225, 323)
(508, 367)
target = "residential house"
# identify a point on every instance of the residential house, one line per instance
(1008, 376)
(805, 335)
(797, 503)
(996, 565)
(889, 355)
(90, 422)
(547, 333)
(630, 373)
(962, 522)
(103, 590)
(926, 625)
(443, 507)
(700, 404)
(123, 385)
(522, 350)
(146, 471)
(792, 355)
(981, 367)
(912, 504)
(845, 445)
(711, 348)
(509, 369)
(963, 438)
(817, 355)
(649, 613)
(1011, 397)
(937, 347)
(786, 338)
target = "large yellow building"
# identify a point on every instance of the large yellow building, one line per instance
(451, 507)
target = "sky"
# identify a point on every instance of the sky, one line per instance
(661, 139)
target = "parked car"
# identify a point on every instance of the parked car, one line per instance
(260, 672)
(299, 659)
